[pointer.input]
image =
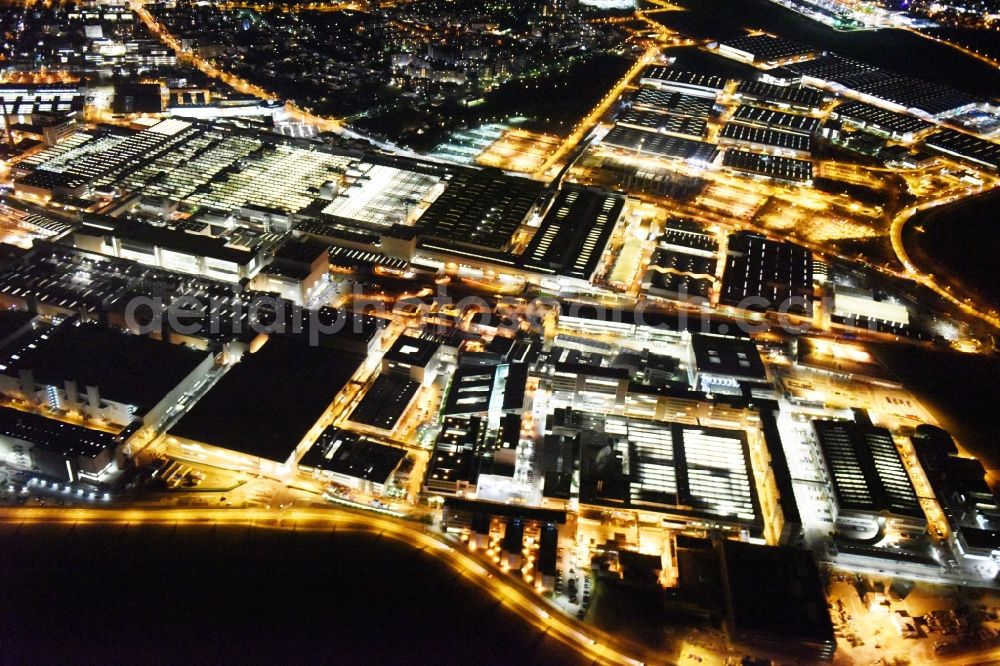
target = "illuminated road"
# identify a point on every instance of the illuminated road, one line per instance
(239, 84)
(914, 274)
(958, 47)
(583, 127)
(591, 643)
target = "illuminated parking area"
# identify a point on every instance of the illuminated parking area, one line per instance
(286, 178)
(180, 173)
(384, 195)
(65, 150)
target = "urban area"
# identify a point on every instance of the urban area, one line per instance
(619, 309)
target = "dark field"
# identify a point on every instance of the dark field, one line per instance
(961, 390)
(109, 594)
(895, 50)
(961, 243)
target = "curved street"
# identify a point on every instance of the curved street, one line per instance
(590, 643)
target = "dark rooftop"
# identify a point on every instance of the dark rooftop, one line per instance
(268, 401)
(411, 350)
(384, 403)
(56, 436)
(343, 452)
(470, 391)
(481, 208)
(130, 369)
(13, 323)
(866, 471)
(574, 232)
(763, 274)
(504, 510)
(787, 583)
(720, 355)
(146, 236)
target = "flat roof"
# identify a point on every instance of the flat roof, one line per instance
(482, 208)
(65, 439)
(385, 401)
(771, 166)
(840, 357)
(674, 283)
(574, 232)
(768, 47)
(344, 452)
(452, 466)
(683, 262)
(786, 582)
(265, 404)
(865, 79)
(380, 194)
(460, 432)
(792, 122)
(763, 136)
(879, 118)
(673, 103)
(300, 250)
(725, 355)
(471, 390)
(412, 350)
(647, 143)
(505, 510)
(688, 234)
(763, 274)
(669, 467)
(143, 237)
(790, 95)
(967, 147)
(129, 369)
(667, 123)
(669, 76)
(14, 323)
(866, 470)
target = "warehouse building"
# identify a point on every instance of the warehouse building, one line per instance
(283, 393)
(99, 373)
(872, 490)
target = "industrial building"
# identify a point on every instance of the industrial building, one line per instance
(852, 303)
(352, 460)
(767, 275)
(683, 264)
(99, 373)
(721, 362)
(961, 489)
(297, 270)
(756, 116)
(385, 403)
(415, 356)
(787, 583)
(574, 233)
(772, 167)
(965, 147)
(765, 50)
(669, 473)
(762, 138)
(480, 208)
(171, 249)
(59, 450)
(641, 143)
(872, 490)
(282, 394)
(795, 98)
(874, 119)
(688, 83)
